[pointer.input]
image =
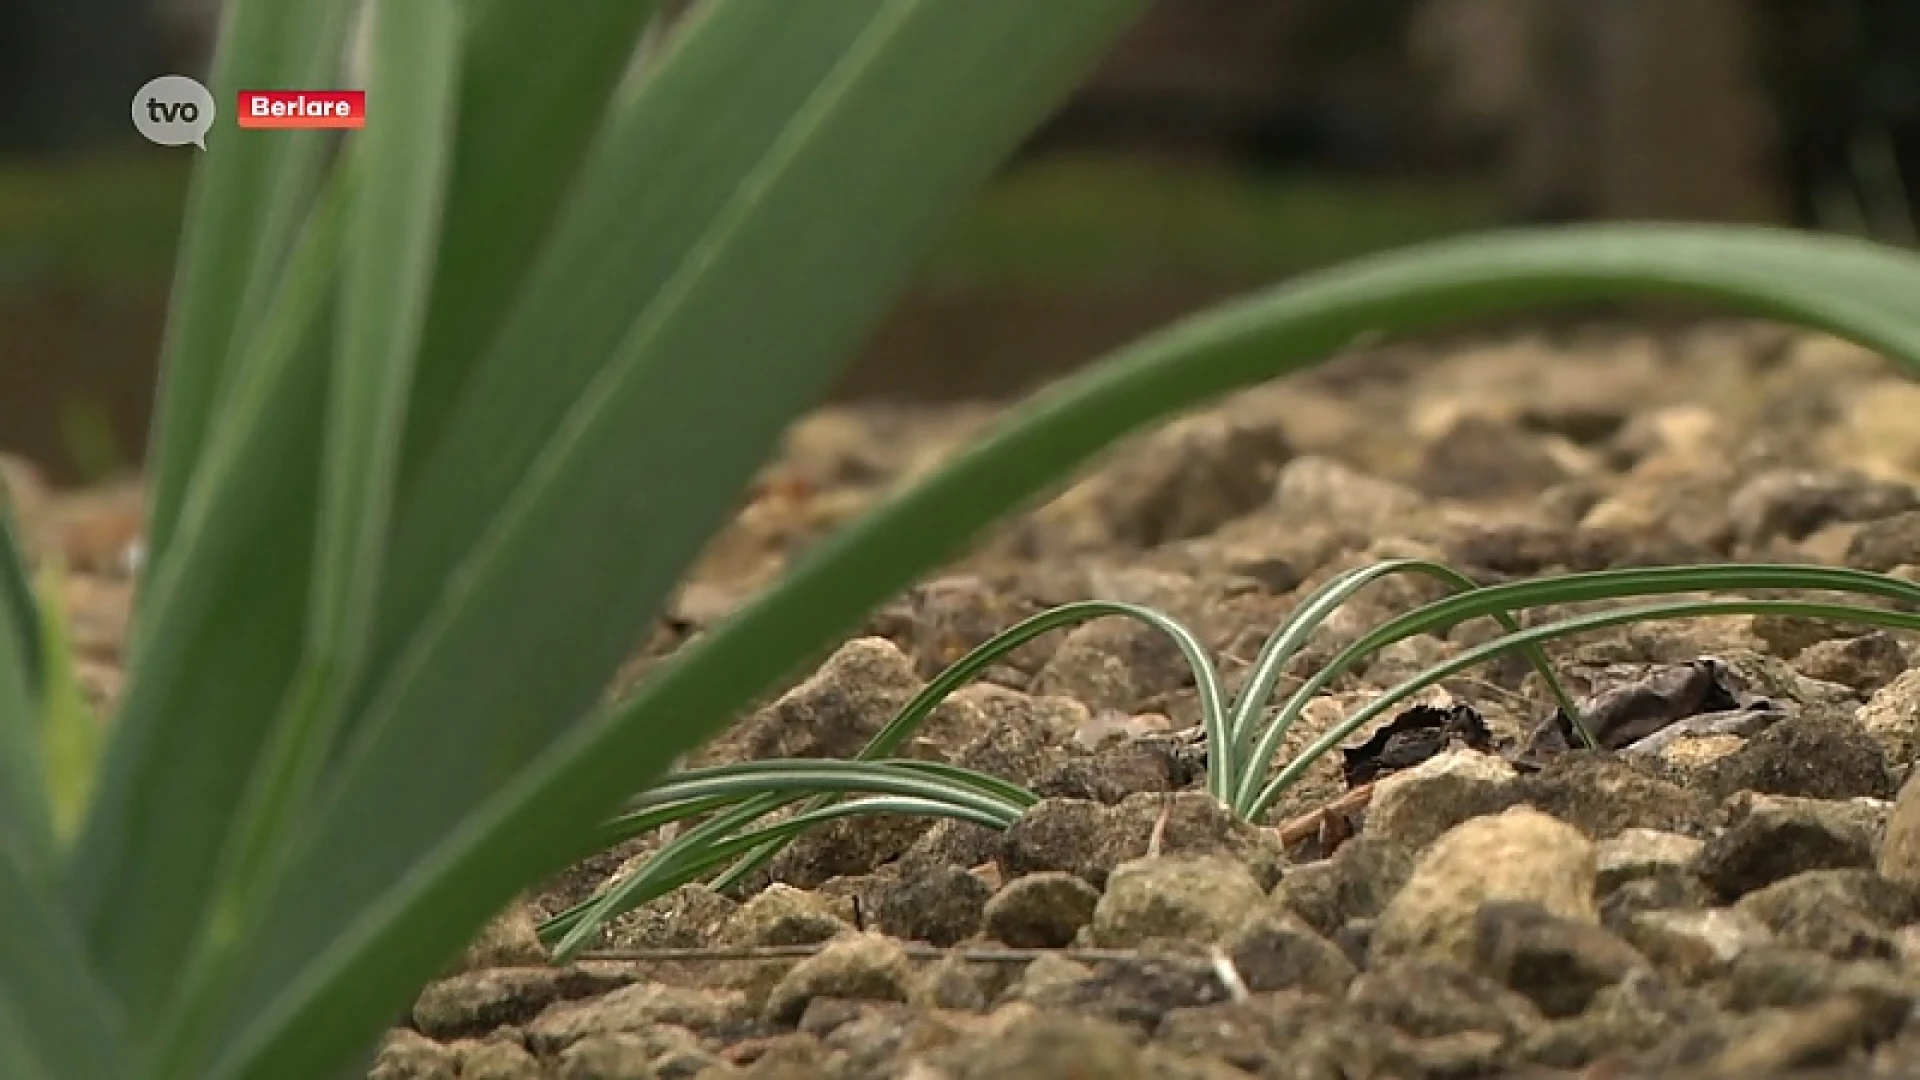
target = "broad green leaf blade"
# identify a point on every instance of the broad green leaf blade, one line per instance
(571, 498)
(25, 806)
(231, 619)
(656, 202)
(19, 609)
(533, 92)
(56, 1022)
(248, 198)
(387, 274)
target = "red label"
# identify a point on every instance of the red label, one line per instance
(302, 109)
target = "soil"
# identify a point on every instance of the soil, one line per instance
(1730, 889)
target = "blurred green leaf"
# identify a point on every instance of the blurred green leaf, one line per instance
(527, 558)
(56, 1023)
(387, 271)
(244, 208)
(70, 734)
(534, 91)
(26, 824)
(201, 695)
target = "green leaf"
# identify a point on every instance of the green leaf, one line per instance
(534, 90)
(231, 614)
(249, 196)
(400, 163)
(703, 286)
(56, 1022)
(19, 610)
(389, 272)
(25, 806)
(70, 733)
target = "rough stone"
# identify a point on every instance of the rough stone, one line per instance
(1604, 794)
(497, 1059)
(833, 712)
(1792, 504)
(1111, 774)
(1518, 855)
(1633, 1015)
(1313, 488)
(865, 967)
(1479, 458)
(1045, 976)
(685, 918)
(476, 1002)
(511, 939)
(1559, 964)
(408, 1055)
(1819, 754)
(845, 847)
(783, 915)
(1677, 890)
(1428, 999)
(1888, 543)
(1848, 914)
(1693, 946)
(1866, 662)
(616, 1056)
(1114, 663)
(1045, 1046)
(1638, 854)
(1773, 837)
(1411, 809)
(938, 905)
(1188, 898)
(639, 1008)
(1139, 989)
(1891, 717)
(1041, 911)
(1088, 839)
(1288, 1034)
(1276, 951)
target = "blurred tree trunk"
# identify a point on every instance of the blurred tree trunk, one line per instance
(1647, 109)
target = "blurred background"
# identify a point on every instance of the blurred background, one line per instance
(1224, 145)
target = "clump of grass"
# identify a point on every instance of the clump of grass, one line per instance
(1243, 737)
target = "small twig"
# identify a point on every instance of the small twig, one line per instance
(914, 950)
(1229, 975)
(1308, 824)
(1157, 838)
